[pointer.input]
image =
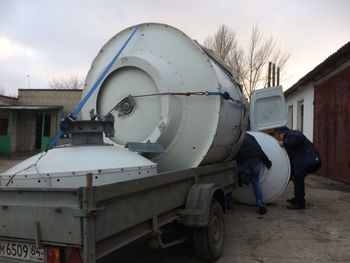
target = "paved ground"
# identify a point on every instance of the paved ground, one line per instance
(321, 233)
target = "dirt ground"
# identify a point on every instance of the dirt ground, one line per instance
(321, 233)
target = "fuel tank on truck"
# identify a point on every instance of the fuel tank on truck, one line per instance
(167, 89)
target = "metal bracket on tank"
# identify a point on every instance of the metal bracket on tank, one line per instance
(145, 147)
(91, 132)
(125, 106)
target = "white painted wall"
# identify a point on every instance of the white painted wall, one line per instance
(305, 93)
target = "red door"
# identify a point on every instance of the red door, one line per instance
(332, 126)
(321, 119)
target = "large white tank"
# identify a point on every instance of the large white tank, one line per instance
(195, 129)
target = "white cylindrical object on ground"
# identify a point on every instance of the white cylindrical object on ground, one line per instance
(274, 180)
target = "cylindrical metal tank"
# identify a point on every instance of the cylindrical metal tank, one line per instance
(194, 130)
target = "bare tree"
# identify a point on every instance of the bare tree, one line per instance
(2, 91)
(236, 61)
(66, 83)
(248, 65)
(223, 42)
(258, 54)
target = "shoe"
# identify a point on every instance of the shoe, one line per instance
(292, 200)
(296, 206)
(262, 210)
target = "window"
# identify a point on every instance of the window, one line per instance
(300, 117)
(4, 123)
(290, 117)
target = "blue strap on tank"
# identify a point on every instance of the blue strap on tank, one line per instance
(98, 81)
(73, 116)
(213, 93)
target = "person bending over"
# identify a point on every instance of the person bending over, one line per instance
(304, 159)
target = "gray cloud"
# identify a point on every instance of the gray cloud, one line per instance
(62, 37)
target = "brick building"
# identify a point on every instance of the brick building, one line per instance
(29, 122)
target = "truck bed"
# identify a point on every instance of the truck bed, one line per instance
(101, 219)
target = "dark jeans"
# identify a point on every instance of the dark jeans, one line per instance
(299, 187)
(252, 166)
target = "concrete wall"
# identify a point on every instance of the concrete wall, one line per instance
(54, 123)
(26, 128)
(306, 94)
(69, 99)
(13, 132)
(26, 122)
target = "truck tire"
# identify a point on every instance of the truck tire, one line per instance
(209, 241)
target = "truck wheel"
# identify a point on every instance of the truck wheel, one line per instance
(209, 241)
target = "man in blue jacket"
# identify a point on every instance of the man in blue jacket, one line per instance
(304, 159)
(249, 158)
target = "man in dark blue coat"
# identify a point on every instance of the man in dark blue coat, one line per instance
(249, 158)
(304, 159)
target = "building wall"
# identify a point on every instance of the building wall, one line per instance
(332, 123)
(69, 99)
(22, 132)
(25, 131)
(13, 131)
(305, 94)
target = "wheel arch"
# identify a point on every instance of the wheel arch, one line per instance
(199, 201)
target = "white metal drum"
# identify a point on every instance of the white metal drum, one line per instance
(274, 180)
(194, 129)
(67, 166)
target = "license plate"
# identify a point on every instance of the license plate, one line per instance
(21, 251)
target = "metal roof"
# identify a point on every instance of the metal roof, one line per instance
(335, 60)
(30, 107)
(8, 97)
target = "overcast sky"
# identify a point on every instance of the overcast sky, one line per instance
(52, 39)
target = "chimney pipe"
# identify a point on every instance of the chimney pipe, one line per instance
(269, 76)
